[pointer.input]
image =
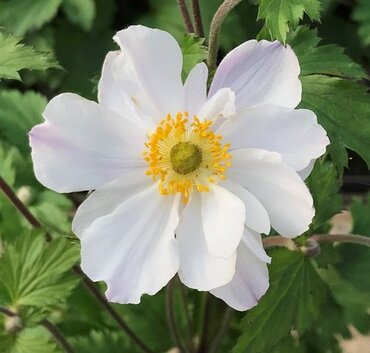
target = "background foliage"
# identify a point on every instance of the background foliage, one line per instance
(53, 46)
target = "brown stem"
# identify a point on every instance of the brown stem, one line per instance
(58, 335)
(21, 207)
(197, 15)
(341, 238)
(273, 241)
(214, 31)
(7, 312)
(185, 16)
(172, 324)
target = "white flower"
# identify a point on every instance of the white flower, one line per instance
(185, 182)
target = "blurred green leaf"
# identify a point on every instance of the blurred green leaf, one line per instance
(293, 301)
(280, 14)
(80, 12)
(15, 56)
(325, 59)
(29, 340)
(103, 342)
(361, 14)
(35, 273)
(20, 16)
(324, 187)
(193, 52)
(19, 112)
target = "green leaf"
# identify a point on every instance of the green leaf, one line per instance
(19, 16)
(15, 56)
(280, 14)
(361, 14)
(326, 59)
(103, 342)
(193, 52)
(80, 12)
(324, 188)
(35, 273)
(293, 301)
(29, 340)
(343, 109)
(19, 112)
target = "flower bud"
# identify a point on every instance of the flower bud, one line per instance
(13, 324)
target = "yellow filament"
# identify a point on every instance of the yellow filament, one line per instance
(171, 132)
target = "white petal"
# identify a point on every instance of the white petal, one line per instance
(106, 199)
(260, 72)
(198, 268)
(256, 216)
(115, 93)
(82, 146)
(223, 221)
(133, 249)
(156, 58)
(196, 88)
(278, 187)
(294, 133)
(249, 283)
(254, 242)
(304, 173)
(221, 105)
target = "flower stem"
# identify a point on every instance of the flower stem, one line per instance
(214, 31)
(205, 328)
(185, 16)
(35, 223)
(172, 324)
(187, 318)
(7, 312)
(197, 15)
(279, 241)
(224, 325)
(333, 238)
(58, 335)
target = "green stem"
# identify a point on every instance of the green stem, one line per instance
(341, 238)
(199, 31)
(172, 323)
(205, 328)
(224, 325)
(58, 335)
(185, 16)
(214, 31)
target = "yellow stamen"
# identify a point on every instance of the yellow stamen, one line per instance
(186, 157)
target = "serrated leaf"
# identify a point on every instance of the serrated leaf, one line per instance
(19, 16)
(324, 187)
(361, 14)
(280, 14)
(326, 59)
(193, 52)
(80, 12)
(103, 342)
(35, 273)
(343, 109)
(30, 340)
(293, 301)
(19, 112)
(15, 56)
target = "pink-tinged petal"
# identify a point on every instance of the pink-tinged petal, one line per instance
(196, 88)
(250, 281)
(133, 249)
(294, 133)
(223, 221)
(278, 187)
(115, 91)
(82, 146)
(260, 73)
(304, 173)
(256, 216)
(199, 269)
(155, 60)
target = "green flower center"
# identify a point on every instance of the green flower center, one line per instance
(185, 157)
